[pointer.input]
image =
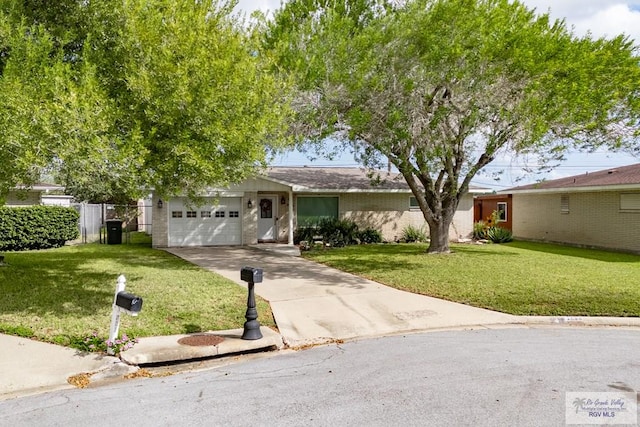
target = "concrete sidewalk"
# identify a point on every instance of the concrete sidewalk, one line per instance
(314, 304)
(30, 367)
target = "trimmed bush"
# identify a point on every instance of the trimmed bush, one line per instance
(411, 234)
(338, 232)
(305, 234)
(37, 227)
(370, 235)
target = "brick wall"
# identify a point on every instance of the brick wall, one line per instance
(594, 219)
(250, 219)
(390, 213)
(160, 220)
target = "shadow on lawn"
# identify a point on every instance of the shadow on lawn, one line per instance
(593, 254)
(65, 281)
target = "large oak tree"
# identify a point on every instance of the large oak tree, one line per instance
(442, 87)
(114, 98)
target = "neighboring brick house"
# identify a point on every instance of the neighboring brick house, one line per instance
(597, 209)
(268, 208)
(484, 206)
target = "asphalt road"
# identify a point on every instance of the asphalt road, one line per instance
(499, 377)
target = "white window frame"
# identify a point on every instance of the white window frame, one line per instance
(630, 202)
(505, 204)
(564, 204)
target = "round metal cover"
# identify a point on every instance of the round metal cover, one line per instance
(201, 340)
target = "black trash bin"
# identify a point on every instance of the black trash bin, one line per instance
(114, 232)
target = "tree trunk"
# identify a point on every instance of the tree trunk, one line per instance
(438, 238)
(439, 232)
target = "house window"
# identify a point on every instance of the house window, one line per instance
(234, 214)
(413, 203)
(176, 214)
(630, 202)
(205, 214)
(564, 204)
(192, 214)
(219, 214)
(311, 210)
(502, 211)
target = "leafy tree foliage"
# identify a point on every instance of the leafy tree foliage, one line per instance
(117, 97)
(442, 87)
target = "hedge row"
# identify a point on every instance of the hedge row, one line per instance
(37, 227)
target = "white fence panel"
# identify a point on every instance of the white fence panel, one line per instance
(90, 222)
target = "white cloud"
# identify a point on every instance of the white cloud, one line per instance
(603, 18)
(264, 5)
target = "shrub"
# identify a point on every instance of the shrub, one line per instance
(338, 232)
(370, 235)
(411, 234)
(305, 234)
(37, 227)
(499, 235)
(479, 230)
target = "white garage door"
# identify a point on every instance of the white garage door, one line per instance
(206, 225)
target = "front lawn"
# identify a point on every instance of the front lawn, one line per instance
(63, 295)
(521, 278)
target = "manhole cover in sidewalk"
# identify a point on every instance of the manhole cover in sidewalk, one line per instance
(201, 340)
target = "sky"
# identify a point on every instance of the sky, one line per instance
(599, 17)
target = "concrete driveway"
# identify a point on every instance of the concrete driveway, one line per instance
(314, 304)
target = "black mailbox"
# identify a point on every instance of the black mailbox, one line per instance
(250, 274)
(129, 302)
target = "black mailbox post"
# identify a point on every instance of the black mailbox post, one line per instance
(251, 326)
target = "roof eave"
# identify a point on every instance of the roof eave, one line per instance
(593, 188)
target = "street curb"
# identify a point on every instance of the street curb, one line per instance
(581, 321)
(164, 349)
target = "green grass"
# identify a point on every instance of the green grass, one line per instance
(520, 277)
(63, 295)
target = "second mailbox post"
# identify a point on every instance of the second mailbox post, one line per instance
(251, 326)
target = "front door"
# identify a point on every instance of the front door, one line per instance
(267, 218)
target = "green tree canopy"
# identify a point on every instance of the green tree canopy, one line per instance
(442, 87)
(117, 97)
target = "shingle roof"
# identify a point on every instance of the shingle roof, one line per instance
(340, 179)
(618, 176)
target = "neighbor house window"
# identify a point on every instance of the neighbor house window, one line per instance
(176, 214)
(413, 203)
(630, 202)
(311, 209)
(192, 214)
(502, 211)
(564, 204)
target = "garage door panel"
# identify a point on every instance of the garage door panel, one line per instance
(211, 224)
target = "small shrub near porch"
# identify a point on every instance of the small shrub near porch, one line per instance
(337, 233)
